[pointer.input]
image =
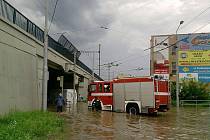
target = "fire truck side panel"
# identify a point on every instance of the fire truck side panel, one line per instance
(118, 97)
(162, 95)
(132, 91)
(147, 96)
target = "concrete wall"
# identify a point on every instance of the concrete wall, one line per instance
(21, 66)
(20, 69)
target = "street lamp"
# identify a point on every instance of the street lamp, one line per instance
(177, 66)
(45, 64)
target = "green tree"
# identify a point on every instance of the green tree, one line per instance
(191, 90)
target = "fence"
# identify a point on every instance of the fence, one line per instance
(12, 15)
(195, 102)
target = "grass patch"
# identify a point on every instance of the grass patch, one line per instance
(30, 125)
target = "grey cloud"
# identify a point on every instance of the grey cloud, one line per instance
(82, 19)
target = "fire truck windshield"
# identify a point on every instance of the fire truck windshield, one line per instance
(92, 87)
(107, 87)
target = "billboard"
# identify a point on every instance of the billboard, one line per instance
(161, 58)
(194, 58)
(194, 42)
(194, 69)
(202, 73)
(188, 76)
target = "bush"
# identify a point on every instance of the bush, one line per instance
(191, 90)
(29, 125)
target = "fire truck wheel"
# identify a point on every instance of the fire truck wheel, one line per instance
(132, 108)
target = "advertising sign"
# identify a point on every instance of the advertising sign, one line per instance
(194, 58)
(188, 76)
(204, 77)
(162, 71)
(163, 76)
(194, 69)
(194, 42)
(161, 58)
(200, 73)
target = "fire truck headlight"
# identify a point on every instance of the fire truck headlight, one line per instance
(89, 103)
(157, 101)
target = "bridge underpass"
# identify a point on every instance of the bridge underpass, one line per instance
(59, 80)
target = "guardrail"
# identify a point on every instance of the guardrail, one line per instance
(195, 102)
(12, 15)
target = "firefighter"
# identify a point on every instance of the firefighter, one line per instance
(96, 105)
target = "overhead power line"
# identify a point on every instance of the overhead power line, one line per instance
(56, 3)
(203, 26)
(124, 34)
(185, 25)
(194, 18)
(157, 44)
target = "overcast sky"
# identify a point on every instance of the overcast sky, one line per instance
(130, 25)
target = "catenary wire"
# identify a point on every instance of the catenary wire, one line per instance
(54, 10)
(195, 17)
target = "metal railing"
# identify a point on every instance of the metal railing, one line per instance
(195, 102)
(12, 15)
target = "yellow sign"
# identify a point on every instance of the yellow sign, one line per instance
(194, 58)
(186, 69)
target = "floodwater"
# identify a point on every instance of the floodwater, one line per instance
(189, 123)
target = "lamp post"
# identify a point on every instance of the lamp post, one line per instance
(177, 66)
(45, 65)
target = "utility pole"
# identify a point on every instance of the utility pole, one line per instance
(99, 60)
(93, 52)
(109, 65)
(74, 73)
(177, 66)
(45, 65)
(93, 67)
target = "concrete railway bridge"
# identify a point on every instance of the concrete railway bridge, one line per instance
(21, 64)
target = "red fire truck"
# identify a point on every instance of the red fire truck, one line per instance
(131, 95)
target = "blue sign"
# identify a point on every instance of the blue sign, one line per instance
(203, 72)
(205, 77)
(194, 42)
(194, 69)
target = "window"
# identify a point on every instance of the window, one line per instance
(173, 65)
(174, 72)
(174, 50)
(100, 87)
(107, 87)
(93, 88)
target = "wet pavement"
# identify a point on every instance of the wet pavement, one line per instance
(189, 123)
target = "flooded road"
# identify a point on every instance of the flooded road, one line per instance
(188, 123)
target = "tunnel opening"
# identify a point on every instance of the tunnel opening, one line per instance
(54, 87)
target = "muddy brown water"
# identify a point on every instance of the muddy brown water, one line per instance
(189, 123)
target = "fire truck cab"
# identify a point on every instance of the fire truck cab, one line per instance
(102, 91)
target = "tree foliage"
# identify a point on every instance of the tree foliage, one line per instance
(191, 90)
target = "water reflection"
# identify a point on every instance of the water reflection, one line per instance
(188, 123)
